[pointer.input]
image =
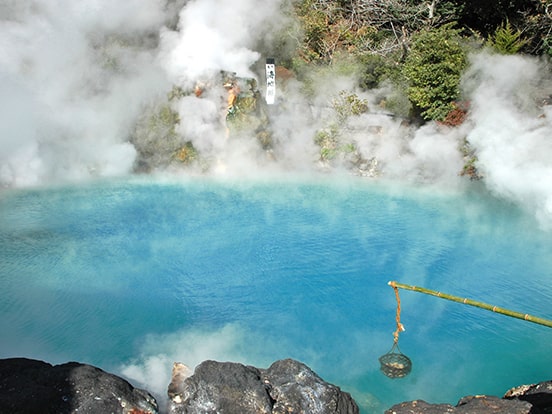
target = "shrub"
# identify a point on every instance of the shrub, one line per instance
(347, 104)
(506, 40)
(433, 68)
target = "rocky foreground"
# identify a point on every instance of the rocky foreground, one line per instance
(287, 386)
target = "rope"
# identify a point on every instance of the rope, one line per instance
(400, 326)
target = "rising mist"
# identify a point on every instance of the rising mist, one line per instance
(77, 78)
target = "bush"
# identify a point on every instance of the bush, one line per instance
(376, 69)
(433, 68)
(333, 143)
(347, 104)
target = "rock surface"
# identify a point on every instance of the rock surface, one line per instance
(539, 395)
(29, 386)
(526, 399)
(287, 386)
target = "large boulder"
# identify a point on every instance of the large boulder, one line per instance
(295, 388)
(231, 388)
(225, 387)
(29, 386)
(539, 395)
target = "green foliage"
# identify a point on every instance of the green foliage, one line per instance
(485, 16)
(547, 46)
(376, 69)
(248, 117)
(433, 69)
(396, 101)
(315, 28)
(330, 139)
(347, 104)
(331, 144)
(176, 93)
(311, 75)
(470, 162)
(157, 139)
(165, 119)
(506, 40)
(187, 153)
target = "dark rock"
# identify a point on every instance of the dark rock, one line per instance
(232, 388)
(30, 386)
(539, 395)
(525, 399)
(295, 388)
(420, 406)
(226, 387)
(485, 404)
(480, 404)
(287, 386)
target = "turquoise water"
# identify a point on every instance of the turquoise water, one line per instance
(132, 275)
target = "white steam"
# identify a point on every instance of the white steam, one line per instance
(159, 352)
(76, 76)
(215, 35)
(512, 129)
(73, 78)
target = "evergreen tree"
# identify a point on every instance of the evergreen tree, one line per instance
(433, 68)
(506, 40)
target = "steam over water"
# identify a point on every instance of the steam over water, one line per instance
(135, 275)
(76, 77)
(261, 258)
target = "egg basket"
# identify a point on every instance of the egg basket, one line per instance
(395, 364)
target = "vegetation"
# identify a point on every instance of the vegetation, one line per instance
(156, 138)
(506, 40)
(419, 47)
(433, 69)
(331, 139)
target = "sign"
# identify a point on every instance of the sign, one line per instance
(270, 81)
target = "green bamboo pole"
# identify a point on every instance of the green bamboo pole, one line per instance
(477, 304)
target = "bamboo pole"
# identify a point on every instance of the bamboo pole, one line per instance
(524, 316)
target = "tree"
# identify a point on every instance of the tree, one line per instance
(484, 16)
(506, 40)
(433, 68)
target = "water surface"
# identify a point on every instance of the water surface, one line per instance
(132, 275)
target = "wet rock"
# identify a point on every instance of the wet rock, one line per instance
(486, 404)
(539, 395)
(233, 388)
(220, 387)
(523, 399)
(420, 406)
(480, 404)
(295, 388)
(30, 386)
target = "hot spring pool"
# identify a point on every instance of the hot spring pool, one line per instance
(133, 275)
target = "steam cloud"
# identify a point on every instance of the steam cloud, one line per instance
(512, 129)
(192, 347)
(76, 76)
(73, 76)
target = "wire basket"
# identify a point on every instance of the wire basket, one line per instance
(395, 364)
